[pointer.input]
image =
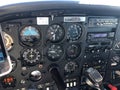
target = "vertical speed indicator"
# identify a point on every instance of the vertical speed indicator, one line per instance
(54, 52)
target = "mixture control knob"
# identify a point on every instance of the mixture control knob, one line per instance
(35, 75)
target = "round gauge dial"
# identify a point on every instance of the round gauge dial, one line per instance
(55, 33)
(117, 46)
(74, 32)
(54, 52)
(30, 35)
(73, 51)
(31, 56)
(8, 41)
(70, 67)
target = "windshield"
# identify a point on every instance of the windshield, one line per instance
(98, 2)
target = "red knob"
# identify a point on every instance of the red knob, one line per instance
(112, 87)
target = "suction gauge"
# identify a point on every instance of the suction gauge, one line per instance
(30, 35)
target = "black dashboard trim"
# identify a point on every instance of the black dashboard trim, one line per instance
(24, 10)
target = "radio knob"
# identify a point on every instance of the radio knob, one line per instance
(98, 50)
(92, 51)
(24, 71)
(99, 61)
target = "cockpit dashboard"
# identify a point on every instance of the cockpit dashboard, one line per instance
(68, 36)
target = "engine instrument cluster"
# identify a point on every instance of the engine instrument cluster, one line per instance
(70, 46)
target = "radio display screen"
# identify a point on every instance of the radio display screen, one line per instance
(98, 35)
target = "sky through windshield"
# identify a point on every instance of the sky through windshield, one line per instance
(100, 2)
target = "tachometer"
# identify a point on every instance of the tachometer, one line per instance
(74, 32)
(55, 33)
(30, 35)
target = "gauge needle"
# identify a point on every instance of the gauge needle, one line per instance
(117, 46)
(53, 36)
(56, 30)
(52, 51)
